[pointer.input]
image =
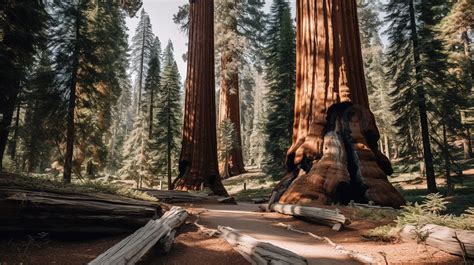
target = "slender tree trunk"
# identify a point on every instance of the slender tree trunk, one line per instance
(140, 77)
(425, 134)
(229, 108)
(169, 139)
(198, 160)
(7, 108)
(70, 132)
(447, 163)
(334, 156)
(15, 133)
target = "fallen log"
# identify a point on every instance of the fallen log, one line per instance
(132, 248)
(258, 252)
(370, 206)
(453, 241)
(65, 212)
(327, 217)
(361, 257)
(175, 196)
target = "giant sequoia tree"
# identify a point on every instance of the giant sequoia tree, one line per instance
(334, 157)
(198, 160)
(227, 14)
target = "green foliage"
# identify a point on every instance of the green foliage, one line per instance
(22, 31)
(227, 141)
(432, 78)
(167, 136)
(430, 211)
(374, 214)
(137, 164)
(249, 194)
(280, 67)
(142, 47)
(48, 184)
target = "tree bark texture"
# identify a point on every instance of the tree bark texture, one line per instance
(334, 157)
(229, 108)
(198, 160)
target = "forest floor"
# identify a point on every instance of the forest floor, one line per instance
(193, 247)
(264, 226)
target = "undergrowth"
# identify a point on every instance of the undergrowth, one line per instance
(47, 183)
(430, 211)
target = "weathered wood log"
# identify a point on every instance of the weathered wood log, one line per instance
(361, 257)
(370, 206)
(176, 196)
(39, 211)
(327, 217)
(132, 248)
(258, 252)
(444, 238)
(229, 200)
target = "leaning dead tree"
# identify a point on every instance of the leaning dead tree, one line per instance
(334, 157)
(198, 162)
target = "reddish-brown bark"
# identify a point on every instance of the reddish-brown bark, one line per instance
(198, 161)
(229, 108)
(334, 153)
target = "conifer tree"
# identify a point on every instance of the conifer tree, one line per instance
(227, 141)
(198, 160)
(137, 163)
(89, 64)
(169, 116)
(454, 30)
(22, 32)
(416, 61)
(142, 48)
(375, 72)
(40, 125)
(152, 83)
(280, 65)
(238, 25)
(75, 60)
(121, 125)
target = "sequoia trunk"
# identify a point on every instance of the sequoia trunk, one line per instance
(229, 108)
(198, 160)
(334, 157)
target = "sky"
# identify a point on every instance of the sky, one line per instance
(161, 15)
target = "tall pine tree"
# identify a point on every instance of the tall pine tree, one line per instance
(280, 66)
(169, 116)
(142, 48)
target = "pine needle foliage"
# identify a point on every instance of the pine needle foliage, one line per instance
(166, 138)
(280, 68)
(430, 211)
(227, 141)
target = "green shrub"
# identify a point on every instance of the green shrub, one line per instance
(430, 211)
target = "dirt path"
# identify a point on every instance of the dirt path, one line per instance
(262, 226)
